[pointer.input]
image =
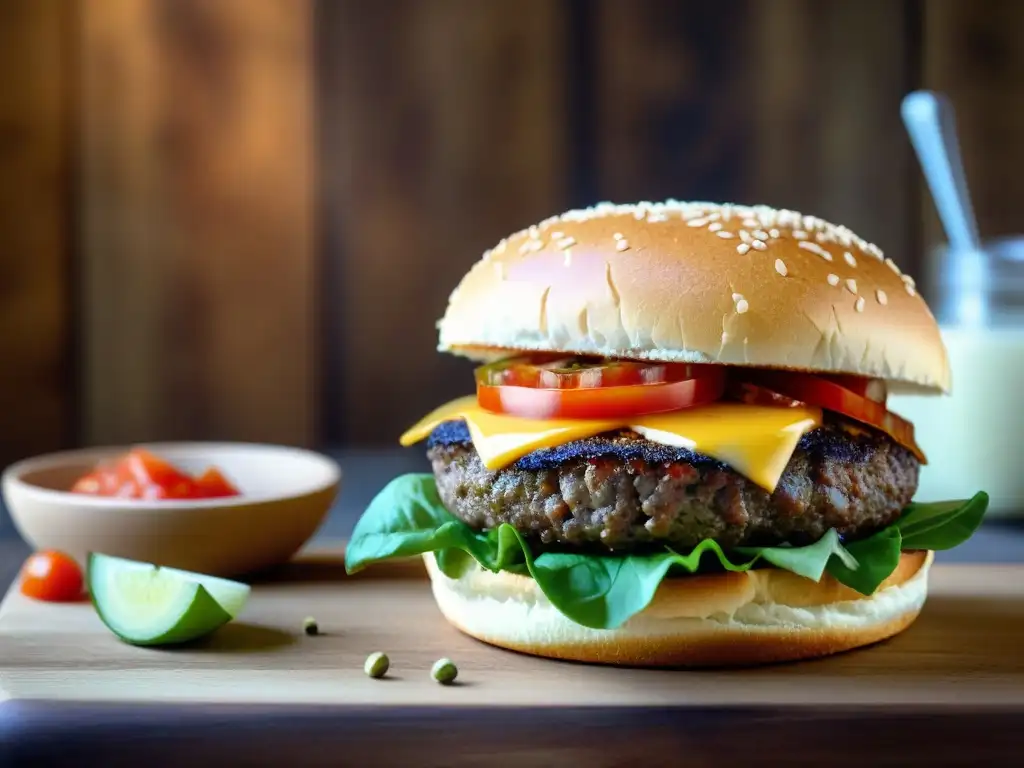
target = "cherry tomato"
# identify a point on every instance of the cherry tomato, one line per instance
(575, 389)
(52, 576)
(823, 393)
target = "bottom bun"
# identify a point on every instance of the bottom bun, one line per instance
(758, 617)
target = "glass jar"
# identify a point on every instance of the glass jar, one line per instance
(974, 438)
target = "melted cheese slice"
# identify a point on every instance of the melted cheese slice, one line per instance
(756, 441)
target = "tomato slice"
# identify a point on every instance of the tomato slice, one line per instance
(823, 393)
(595, 391)
(52, 576)
(872, 389)
(580, 372)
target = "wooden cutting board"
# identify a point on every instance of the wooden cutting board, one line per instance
(962, 659)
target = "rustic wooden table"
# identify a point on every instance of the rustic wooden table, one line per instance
(654, 721)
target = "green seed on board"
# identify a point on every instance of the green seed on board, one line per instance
(376, 664)
(444, 671)
(309, 626)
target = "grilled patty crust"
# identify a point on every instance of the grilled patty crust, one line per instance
(620, 492)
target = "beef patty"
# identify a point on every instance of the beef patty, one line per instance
(618, 491)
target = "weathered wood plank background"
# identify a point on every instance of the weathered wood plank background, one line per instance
(241, 219)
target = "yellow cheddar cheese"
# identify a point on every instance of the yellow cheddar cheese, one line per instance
(757, 441)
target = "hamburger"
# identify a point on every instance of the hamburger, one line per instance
(676, 449)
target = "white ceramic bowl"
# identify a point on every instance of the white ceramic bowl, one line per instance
(285, 494)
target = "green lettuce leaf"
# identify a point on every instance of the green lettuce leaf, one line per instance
(407, 518)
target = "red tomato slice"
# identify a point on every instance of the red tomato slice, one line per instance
(580, 372)
(872, 389)
(52, 576)
(607, 402)
(819, 391)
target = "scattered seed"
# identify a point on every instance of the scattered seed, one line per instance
(617, 236)
(566, 242)
(833, 280)
(851, 285)
(882, 298)
(799, 234)
(774, 233)
(742, 248)
(725, 235)
(714, 226)
(859, 304)
(536, 245)
(742, 306)
(701, 222)
(849, 259)
(760, 234)
(444, 671)
(892, 265)
(737, 296)
(910, 289)
(621, 245)
(376, 665)
(780, 267)
(759, 245)
(310, 627)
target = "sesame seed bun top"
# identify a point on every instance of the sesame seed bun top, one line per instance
(699, 282)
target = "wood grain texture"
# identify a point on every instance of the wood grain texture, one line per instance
(824, 113)
(969, 632)
(973, 53)
(793, 103)
(197, 213)
(442, 130)
(35, 227)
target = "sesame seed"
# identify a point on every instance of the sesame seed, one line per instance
(908, 280)
(833, 280)
(742, 248)
(882, 298)
(500, 247)
(724, 234)
(657, 217)
(536, 245)
(750, 222)
(892, 265)
(621, 245)
(534, 231)
(715, 226)
(849, 259)
(702, 222)
(851, 285)
(759, 245)
(745, 236)
(737, 297)
(725, 337)
(714, 216)
(568, 257)
(774, 233)
(742, 306)
(566, 242)
(617, 236)
(760, 234)
(910, 289)
(780, 267)
(859, 304)
(807, 245)
(526, 246)
(556, 235)
(799, 234)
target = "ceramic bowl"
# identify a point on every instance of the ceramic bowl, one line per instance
(285, 495)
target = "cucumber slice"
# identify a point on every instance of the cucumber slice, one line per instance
(147, 605)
